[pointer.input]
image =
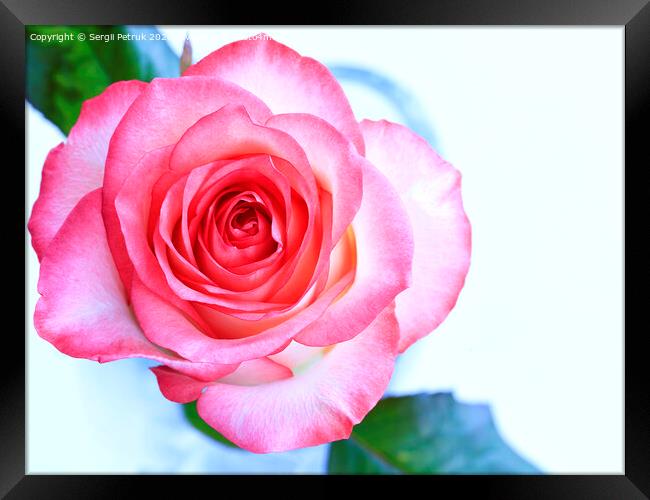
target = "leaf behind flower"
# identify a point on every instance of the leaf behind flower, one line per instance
(426, 434)
(63, 74)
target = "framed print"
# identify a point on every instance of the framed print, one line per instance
(371, 244)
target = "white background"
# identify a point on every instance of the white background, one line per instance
(533, 118)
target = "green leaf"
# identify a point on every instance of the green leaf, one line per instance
(62, 73)
(193, 417)
(426, 433)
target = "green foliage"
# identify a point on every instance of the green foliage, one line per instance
(62, 73)
(426, 433)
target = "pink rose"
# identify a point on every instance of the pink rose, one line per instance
(239, 226)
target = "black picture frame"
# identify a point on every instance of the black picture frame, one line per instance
(633, 14)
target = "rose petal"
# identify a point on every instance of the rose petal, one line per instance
(239, 135)
(256, 372)
(299, 357)
(176, 386)
(337, 165)
(181, 388)
(165, 325)
(284, 80)
(231, 132)
(318, 406)
(158, 118)
(134, 205)
(83, 310)
(76, 167)
(384, 252)
(430, 190)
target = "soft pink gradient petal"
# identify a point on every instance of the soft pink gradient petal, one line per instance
(158, 118)
(232, 131)
(299, 357)
(284, 80)
(337, 165)
(256, 372)
(176, 386)
(83, 310)
(76, 167)
(315, 407)
(384, 253)
(165, 325)
(133, 205)
(181, 388)
(430, 190)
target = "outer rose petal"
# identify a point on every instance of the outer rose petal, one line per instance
(430, 190)
(384, 252)
(316, 407)
(158, 118)
(284, 80)
(83, 310)
(76, 167)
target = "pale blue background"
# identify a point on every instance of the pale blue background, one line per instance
(533, 118)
